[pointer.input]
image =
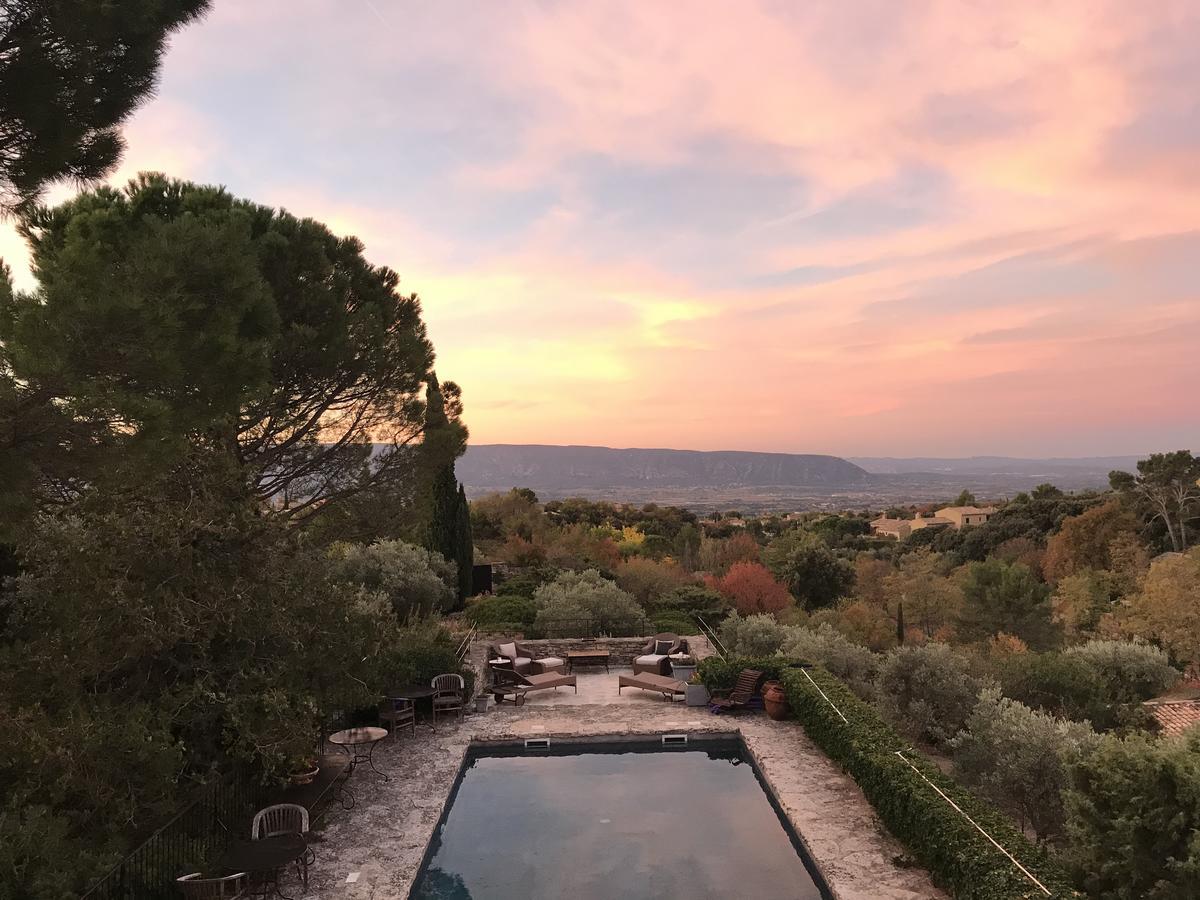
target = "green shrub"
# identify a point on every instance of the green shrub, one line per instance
(754, 635)
(674, 622)
(931, 689)
(1133, 818)
(720, 674)
(1129, 671)
(941, 839)
(575, 599)
(1018, 757)
(1077, 686)
(503, 610)
(827, 647)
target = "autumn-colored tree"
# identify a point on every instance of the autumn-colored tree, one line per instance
(1080, 599)
(1168, 608)
(650, 580)
(1128, 563)
(1083, 541)
(867, 624)
(752, 589)
(869, 579)
(718, 554)
(931, 600)
(580, 547)
(1023, 550)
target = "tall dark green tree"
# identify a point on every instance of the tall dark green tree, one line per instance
(449, 525)
(71, 72)
(172, 316)
(464, 545)
(1166, 490)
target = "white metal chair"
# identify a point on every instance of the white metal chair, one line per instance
(196, 887)
(284, 818)
(448, 691)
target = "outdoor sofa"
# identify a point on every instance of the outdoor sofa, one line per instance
(520, 658)
(656, 656)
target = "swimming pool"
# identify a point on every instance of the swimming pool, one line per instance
(621, 821)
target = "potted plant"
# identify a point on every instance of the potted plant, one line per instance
(697, 693)
(683, 668)
(481, 701)
(304, 767)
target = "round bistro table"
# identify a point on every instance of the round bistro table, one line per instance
(265, 857)
(353, 740)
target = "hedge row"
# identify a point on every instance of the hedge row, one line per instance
(955, 853)
(720, 674)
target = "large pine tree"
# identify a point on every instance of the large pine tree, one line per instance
(71, 72)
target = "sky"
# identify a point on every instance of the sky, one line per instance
(866, 228)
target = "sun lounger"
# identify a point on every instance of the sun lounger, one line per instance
(509, 683)
(648, 681)
(746, 687)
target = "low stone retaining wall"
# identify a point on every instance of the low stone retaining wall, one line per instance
(622, 651)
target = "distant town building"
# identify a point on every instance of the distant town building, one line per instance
(958, 516)
(902, 528)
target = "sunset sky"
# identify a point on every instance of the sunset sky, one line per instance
(862, 228)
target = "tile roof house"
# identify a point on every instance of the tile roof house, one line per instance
(958, 516)
(1175, 716)
(902, 528)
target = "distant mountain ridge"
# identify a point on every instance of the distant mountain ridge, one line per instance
(557, 468)
(998, 465)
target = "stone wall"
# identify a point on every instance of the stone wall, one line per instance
(622, 651)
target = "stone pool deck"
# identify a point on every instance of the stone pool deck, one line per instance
(383, 838)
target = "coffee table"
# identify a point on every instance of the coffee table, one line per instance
(586, 658)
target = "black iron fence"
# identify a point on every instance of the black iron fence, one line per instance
(190, 842)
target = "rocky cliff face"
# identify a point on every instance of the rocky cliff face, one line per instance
(537, 466)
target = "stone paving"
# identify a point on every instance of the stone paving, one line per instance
(383, 838)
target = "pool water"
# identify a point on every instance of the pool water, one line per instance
(613, 821)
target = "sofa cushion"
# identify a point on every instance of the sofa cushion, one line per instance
(508, 650)
(650, 659)
(521, 662)
(548, 661)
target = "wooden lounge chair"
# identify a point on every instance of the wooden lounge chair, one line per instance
(648, 681)
(746, 687)
(509, 683)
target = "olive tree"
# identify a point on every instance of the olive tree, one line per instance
(1019, 758)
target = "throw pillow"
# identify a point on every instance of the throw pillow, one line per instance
(662, 648)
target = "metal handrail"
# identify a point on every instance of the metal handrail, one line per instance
(464, 646)
(707, 631)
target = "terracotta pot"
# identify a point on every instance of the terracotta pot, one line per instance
(305, 777)
(775, 700)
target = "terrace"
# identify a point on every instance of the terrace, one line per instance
(375, 850)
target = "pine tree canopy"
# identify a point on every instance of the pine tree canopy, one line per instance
(173, 316)
(70, 73)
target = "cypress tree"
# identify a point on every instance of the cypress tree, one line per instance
(900, 624)
(464, 546)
